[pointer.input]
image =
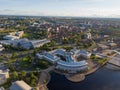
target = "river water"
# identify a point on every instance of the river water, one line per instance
(103, 79)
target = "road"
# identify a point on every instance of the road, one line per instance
(115, 60)
(116, 52)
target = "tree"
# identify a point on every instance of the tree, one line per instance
(44, 81)
(33, 76)
(14, 55)
(23, 73)
(65, 41)
(15, 75)
(52, 43)
(27, 79)
(33, 82)
(25, 58)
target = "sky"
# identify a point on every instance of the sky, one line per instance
(80, 8)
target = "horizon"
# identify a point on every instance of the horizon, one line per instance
(60, 16)
(64, 8)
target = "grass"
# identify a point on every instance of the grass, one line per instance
(99, 60)
(25, 65)
(43, 64)
(32, 35)
(27, 35)
(7, 31)
(28, 79)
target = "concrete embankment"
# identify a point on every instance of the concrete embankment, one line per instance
(44, 78)
(80, 77)
(76, 77)
(94, 69)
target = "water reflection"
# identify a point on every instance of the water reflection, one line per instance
(103, 79)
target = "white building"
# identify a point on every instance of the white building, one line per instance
(10, 37)
(22, 43)
(4, 75)
(38, 43)
(20, 85)
(14, 35)
(61, 52)
(18, 34)
(35, 24)
(51, 58)
(77, 53)
(72, 66)
(69, 64)
(28, 44)
(25, 43)
(83, 53)
(48, 56)
(88, 35)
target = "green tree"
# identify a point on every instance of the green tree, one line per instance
(33, 82)
(33, 76)
(15, 75)
(14, 55)
(27, 79)
(23, 73)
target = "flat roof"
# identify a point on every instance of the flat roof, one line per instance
(20, 85)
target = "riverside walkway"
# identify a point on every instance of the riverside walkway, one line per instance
(43, 77)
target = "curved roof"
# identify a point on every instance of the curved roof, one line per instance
(72, 64)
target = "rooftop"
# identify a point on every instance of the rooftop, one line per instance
(72, 64)
(20, 85)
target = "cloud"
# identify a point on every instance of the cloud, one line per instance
(8, 10)
(85, 12)
(63, 9)
(80, 0)
(21, 12)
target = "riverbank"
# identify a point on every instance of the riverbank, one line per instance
(76, 77)
(80, 77)
(44, 78)
(112, 67)
(93, 81)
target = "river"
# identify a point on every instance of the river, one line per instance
(103, 79)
